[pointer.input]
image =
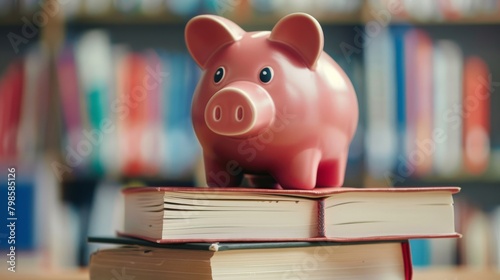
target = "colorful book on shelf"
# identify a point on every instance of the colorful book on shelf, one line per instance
(184, 156)
(11, 92)
(418, 71)
(135, 120)
(70, 93)
(381, 122)
(269, 260)
(398, 33)
(94, 67)
(181, 148)
(448, 72)
(34, 103)
(180, 214)
(4, 115)
(114, 148)
(152, 140)
(25, 239)
(476, 115)
(120, 108)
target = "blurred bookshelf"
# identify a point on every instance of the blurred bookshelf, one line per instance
(77, 60)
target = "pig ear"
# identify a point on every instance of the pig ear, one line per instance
(303, 33)
(205, 34)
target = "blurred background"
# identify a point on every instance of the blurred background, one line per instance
(78, 121)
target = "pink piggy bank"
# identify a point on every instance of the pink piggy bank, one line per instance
(270, 103)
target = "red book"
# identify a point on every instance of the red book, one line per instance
(136, 97)
(12, 92)
(476, 115)
(173, 215)
(3, 113)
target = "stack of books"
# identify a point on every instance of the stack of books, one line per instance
(241, 233)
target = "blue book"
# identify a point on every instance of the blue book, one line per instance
(420, 252)
(398, 32)
(184, 148)
(19, 227)
(181, 146)
(94, 62)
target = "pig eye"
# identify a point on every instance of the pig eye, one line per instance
(219, 74)
(266, 75)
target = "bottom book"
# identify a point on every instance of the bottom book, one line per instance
(137, 259)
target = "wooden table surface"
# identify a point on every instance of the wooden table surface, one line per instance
(456, 273)
(419, 274)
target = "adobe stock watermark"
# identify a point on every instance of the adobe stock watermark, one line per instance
(75, 155)
(250, 148)
(32, 25)
(121, 275)
(453, 116)
(381, 19)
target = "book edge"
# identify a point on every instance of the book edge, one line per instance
(221, 246)
(308, 239)
(318, 192)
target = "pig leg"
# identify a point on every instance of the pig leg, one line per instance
(221, 174)
(263, 182)
(331, 173)
(299, 172)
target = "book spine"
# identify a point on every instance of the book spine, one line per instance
(476, 115)
(321, 218)
(418, 61)
(381, 123)
(447, 156)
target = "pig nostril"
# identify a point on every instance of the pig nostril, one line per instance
(239, 113)
(217, 113)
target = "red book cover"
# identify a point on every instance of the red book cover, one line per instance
(12, 91)
(405, 247)
(3, 112)
(317, 192)
(136, 96)
(476, 115)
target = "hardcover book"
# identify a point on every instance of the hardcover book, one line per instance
(177, 215)
(271, 260)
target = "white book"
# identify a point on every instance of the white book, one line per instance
(448, 72)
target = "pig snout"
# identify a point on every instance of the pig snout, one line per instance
(241, 109)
